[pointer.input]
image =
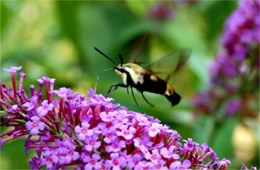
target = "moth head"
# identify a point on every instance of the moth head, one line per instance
(123, 68)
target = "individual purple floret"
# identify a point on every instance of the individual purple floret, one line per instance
(13, 70)
(69, 130)
(35, 126)
(178, 165)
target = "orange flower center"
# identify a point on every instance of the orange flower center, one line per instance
(84, 131)
(115, 162)
(92, 162)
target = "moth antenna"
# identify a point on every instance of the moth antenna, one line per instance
(121, 59)
(109, 58)
(98, 76)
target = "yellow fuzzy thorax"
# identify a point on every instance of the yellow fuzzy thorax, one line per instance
(136, 68)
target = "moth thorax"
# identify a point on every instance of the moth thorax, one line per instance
(169, 90)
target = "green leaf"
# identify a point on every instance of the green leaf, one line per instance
(134, 30)
(199, 67)
(140, 8)
(12, 155)
(214, 19)
(8, 10)
(100, 26)
(67, 11)
(203, 129)
(222, 141)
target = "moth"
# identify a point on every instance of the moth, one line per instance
(145, 79)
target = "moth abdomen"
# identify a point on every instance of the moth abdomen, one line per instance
(152, 84)
(174, 98)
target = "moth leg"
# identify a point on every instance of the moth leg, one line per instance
(99, 74)
(146, 100)
(127, 90)
(133, 96)
(114, 87)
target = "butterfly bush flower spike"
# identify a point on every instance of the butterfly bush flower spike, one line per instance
(234, 80)
(69, 130)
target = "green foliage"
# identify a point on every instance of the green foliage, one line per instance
(203, 130)
(223, 138)
(12, 155)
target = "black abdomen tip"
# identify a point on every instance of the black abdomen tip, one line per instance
(175, 98)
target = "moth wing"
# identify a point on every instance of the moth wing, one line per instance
(170, 64)
(139, 45)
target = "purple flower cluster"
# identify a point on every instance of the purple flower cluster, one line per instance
(72, 131)
(241, 33)
(162, 11)
(165, 10)
(234, 71)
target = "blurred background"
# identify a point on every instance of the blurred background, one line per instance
(57, 39)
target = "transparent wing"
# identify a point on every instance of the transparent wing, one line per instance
(138, 48)
(170, 64)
